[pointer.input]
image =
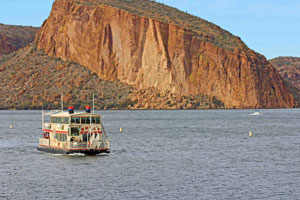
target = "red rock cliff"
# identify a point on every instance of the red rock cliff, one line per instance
(147, 53)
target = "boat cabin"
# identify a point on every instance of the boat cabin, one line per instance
(75, 132)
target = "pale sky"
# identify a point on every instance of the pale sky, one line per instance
(270, 27)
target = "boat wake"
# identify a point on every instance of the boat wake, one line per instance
(71, 154)
(256, 113)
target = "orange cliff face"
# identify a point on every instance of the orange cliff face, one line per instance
(118, 45)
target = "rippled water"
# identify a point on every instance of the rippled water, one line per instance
(192, 154)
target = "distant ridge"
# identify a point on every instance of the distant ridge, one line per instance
(289, 69)
(14, 37)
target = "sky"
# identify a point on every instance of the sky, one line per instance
(269, 27)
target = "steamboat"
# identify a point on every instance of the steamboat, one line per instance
(70, 132)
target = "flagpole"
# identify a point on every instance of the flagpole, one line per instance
(62, 102)
(93, 103)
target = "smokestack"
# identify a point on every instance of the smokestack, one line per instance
(88, 109)
(71, 109)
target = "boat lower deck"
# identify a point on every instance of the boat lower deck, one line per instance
(71, 151)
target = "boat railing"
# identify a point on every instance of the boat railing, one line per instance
(43, 141)
(84, 145)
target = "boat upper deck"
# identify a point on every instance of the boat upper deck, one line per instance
(75, 118)
(81, 114)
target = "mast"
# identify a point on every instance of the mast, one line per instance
(90, 134)
(62, 102)
(93, 103)
(42, 118)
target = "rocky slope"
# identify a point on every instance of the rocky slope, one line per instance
(289, 69)
(149, 45)
(32, 80)
(13, 38)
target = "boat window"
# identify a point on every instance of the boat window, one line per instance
(59, 120)
(53, 120)
(61, 137)
(74, 131)
(66, 120)
(85, 137)
(85, 120)
(75, 120)
(95, 120)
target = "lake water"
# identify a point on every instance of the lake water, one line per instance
(182, 154)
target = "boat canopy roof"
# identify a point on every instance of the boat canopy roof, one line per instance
(67, 114)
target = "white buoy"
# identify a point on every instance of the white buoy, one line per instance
(10, 126)
(250, 134)
(121, 130)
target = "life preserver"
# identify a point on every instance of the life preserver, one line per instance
(86, 128)
(82, 129)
